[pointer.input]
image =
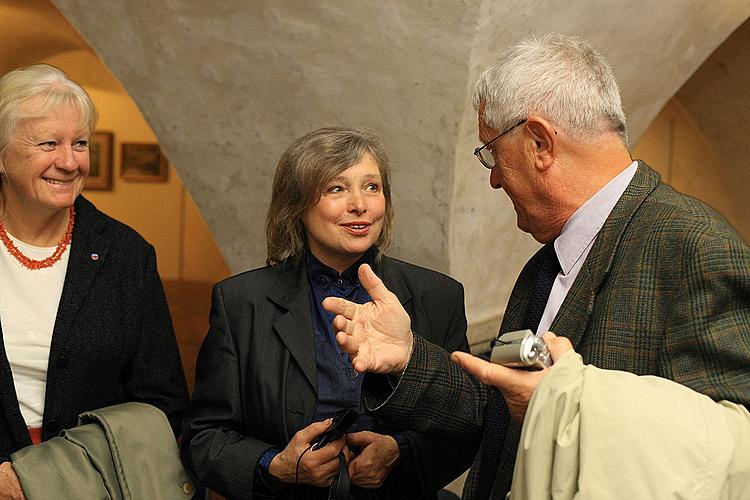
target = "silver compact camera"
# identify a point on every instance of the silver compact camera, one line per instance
(520, 349)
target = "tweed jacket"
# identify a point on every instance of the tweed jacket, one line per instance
(256, 376)
(665, 290)
(112, 341)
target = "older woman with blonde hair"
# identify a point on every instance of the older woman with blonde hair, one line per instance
(83, 317)
(270, 373)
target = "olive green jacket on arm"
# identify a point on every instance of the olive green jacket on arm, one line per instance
(121, 452)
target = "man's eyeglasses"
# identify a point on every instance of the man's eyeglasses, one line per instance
(484, 155)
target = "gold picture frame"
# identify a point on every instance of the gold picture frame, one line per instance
(100, 161)
(142, 163)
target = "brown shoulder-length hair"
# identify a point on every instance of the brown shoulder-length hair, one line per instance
(304, 169)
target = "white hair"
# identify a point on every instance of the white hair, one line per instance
(20, 85)
(559, 77)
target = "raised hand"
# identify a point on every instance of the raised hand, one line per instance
(376, 335)
(379, 455)
(516, 385)
(317, 467)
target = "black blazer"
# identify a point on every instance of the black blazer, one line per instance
(112, 341)
(256, 375)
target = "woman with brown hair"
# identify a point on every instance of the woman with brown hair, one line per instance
(270, 373)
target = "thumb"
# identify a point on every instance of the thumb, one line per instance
(488, 373)
(557, 345)
(314, 430)
(374, 285)
(361, 439)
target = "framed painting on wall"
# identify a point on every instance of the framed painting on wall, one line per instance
(143, 163)
(100, 161)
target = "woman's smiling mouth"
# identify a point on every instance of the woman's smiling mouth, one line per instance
(358, 228)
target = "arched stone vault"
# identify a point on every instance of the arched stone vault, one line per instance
(227, 85)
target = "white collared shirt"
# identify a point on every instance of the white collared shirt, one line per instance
(576, 238)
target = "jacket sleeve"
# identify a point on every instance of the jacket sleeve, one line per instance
(156, 376)
(432, 396)
(436, 457)
(707, 345)
(217, 447)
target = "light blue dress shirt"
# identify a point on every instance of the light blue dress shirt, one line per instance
(576, 238)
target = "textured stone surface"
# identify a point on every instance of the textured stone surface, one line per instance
(227, 85)
(718, 99)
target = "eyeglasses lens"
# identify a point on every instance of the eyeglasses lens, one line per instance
(487, 158)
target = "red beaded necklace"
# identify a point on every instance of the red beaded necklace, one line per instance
(33, 264)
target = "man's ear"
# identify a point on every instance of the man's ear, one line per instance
(545, 139)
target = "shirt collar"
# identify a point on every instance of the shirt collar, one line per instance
(579, 231)
(324, 275)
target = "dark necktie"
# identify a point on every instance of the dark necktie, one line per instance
(549, 266)
(496, 416)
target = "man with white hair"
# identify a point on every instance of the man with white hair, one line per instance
(638, 277)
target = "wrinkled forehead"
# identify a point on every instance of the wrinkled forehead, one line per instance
(37, 110)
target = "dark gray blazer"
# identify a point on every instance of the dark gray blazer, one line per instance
(256, 375)
(112, 341)
(665, 291)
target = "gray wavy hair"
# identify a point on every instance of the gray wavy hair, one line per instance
(558, 76)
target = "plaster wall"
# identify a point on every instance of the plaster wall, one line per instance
(718, 100)
(163, 213)
(227, 85)
(675, 146)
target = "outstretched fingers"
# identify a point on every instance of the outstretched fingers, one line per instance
(346, 338)
(340, 306)
(358, 353)
(374, 285)
(341, 324)
(375, 288)
(348, 343)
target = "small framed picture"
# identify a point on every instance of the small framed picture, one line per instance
(143, 163)
(100, 161)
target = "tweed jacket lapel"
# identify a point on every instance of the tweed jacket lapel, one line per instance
(576, 309)
(88, 252)
(292, 292)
